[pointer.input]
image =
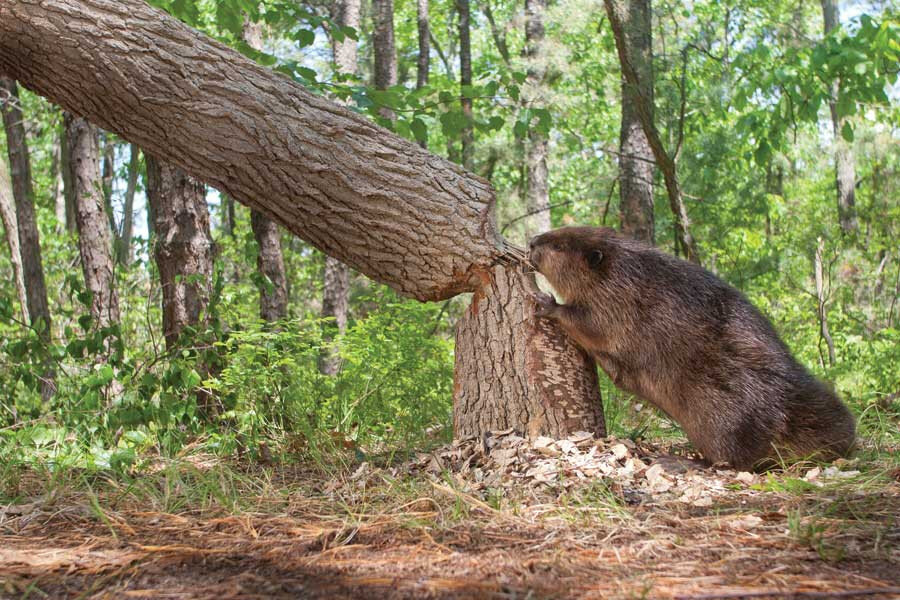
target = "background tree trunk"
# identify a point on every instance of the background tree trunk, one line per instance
(134, 168)
(183, 248)
(385, 51)
(844, 163)
(59, 187)
(68, 185)
(423, 60)
(94, 237)
(517, 371)
(617, 11)
(29, 240)
(10, 224)
(315, 167)
(336, 275)
(537, 183)
(109, 176)
(636, 159)
(465, 79)
(269, 257)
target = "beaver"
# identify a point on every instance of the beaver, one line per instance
(676, 335)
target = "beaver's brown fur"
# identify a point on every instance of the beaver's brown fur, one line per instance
(678, 336)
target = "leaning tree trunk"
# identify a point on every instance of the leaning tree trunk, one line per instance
(183, 248)
(636, 158)
(11, 226)
(272, 286)
(386, 207)
(537, 185)
(94, 236)
(844, 164)
(29, 239)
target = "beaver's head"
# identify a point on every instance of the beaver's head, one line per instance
(570, 258)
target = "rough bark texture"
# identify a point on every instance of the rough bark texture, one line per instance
(636, 160)
(537, 183)
(270, 258)
(517, 371)
(369, 198)
(94, 237)
(10, 225)
(183, 248)
(385, 51)
(422, 61)
(617, 12)
(23, 194)
(465, 79)
(134, 167)
(844, 163)
(345, 52)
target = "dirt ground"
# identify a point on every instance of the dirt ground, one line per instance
(402, 533)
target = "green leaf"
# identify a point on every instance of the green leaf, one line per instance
(847, 131)
(305, 37)
(419, 129)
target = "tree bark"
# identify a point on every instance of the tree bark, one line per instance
(536, 174)
(23, 194)
(465, 80)
(269, 258)
(29, 239)
(68, 184)
(183, 248)
(844, 163)
(94, 237)
(406, 218)
(10, 224)
(514, 370)
(385, 50)
(617, 12)
(423, 61)
(134, 167)
(636, 159)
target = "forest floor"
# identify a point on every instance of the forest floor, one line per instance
(494, 518)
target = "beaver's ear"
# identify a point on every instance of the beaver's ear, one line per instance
(595, 257)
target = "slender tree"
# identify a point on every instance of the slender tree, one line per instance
(844, 163)
(423, 60)
(636, 156)
(384, 48)
(65, 169)
(617, 13)
(336, 275)
(183, 246)
(10, 224)
(94, 236)
(465, 81)
(383, 205)
(273, 295)
(537, 186)
(134, 171)
(29, 239)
